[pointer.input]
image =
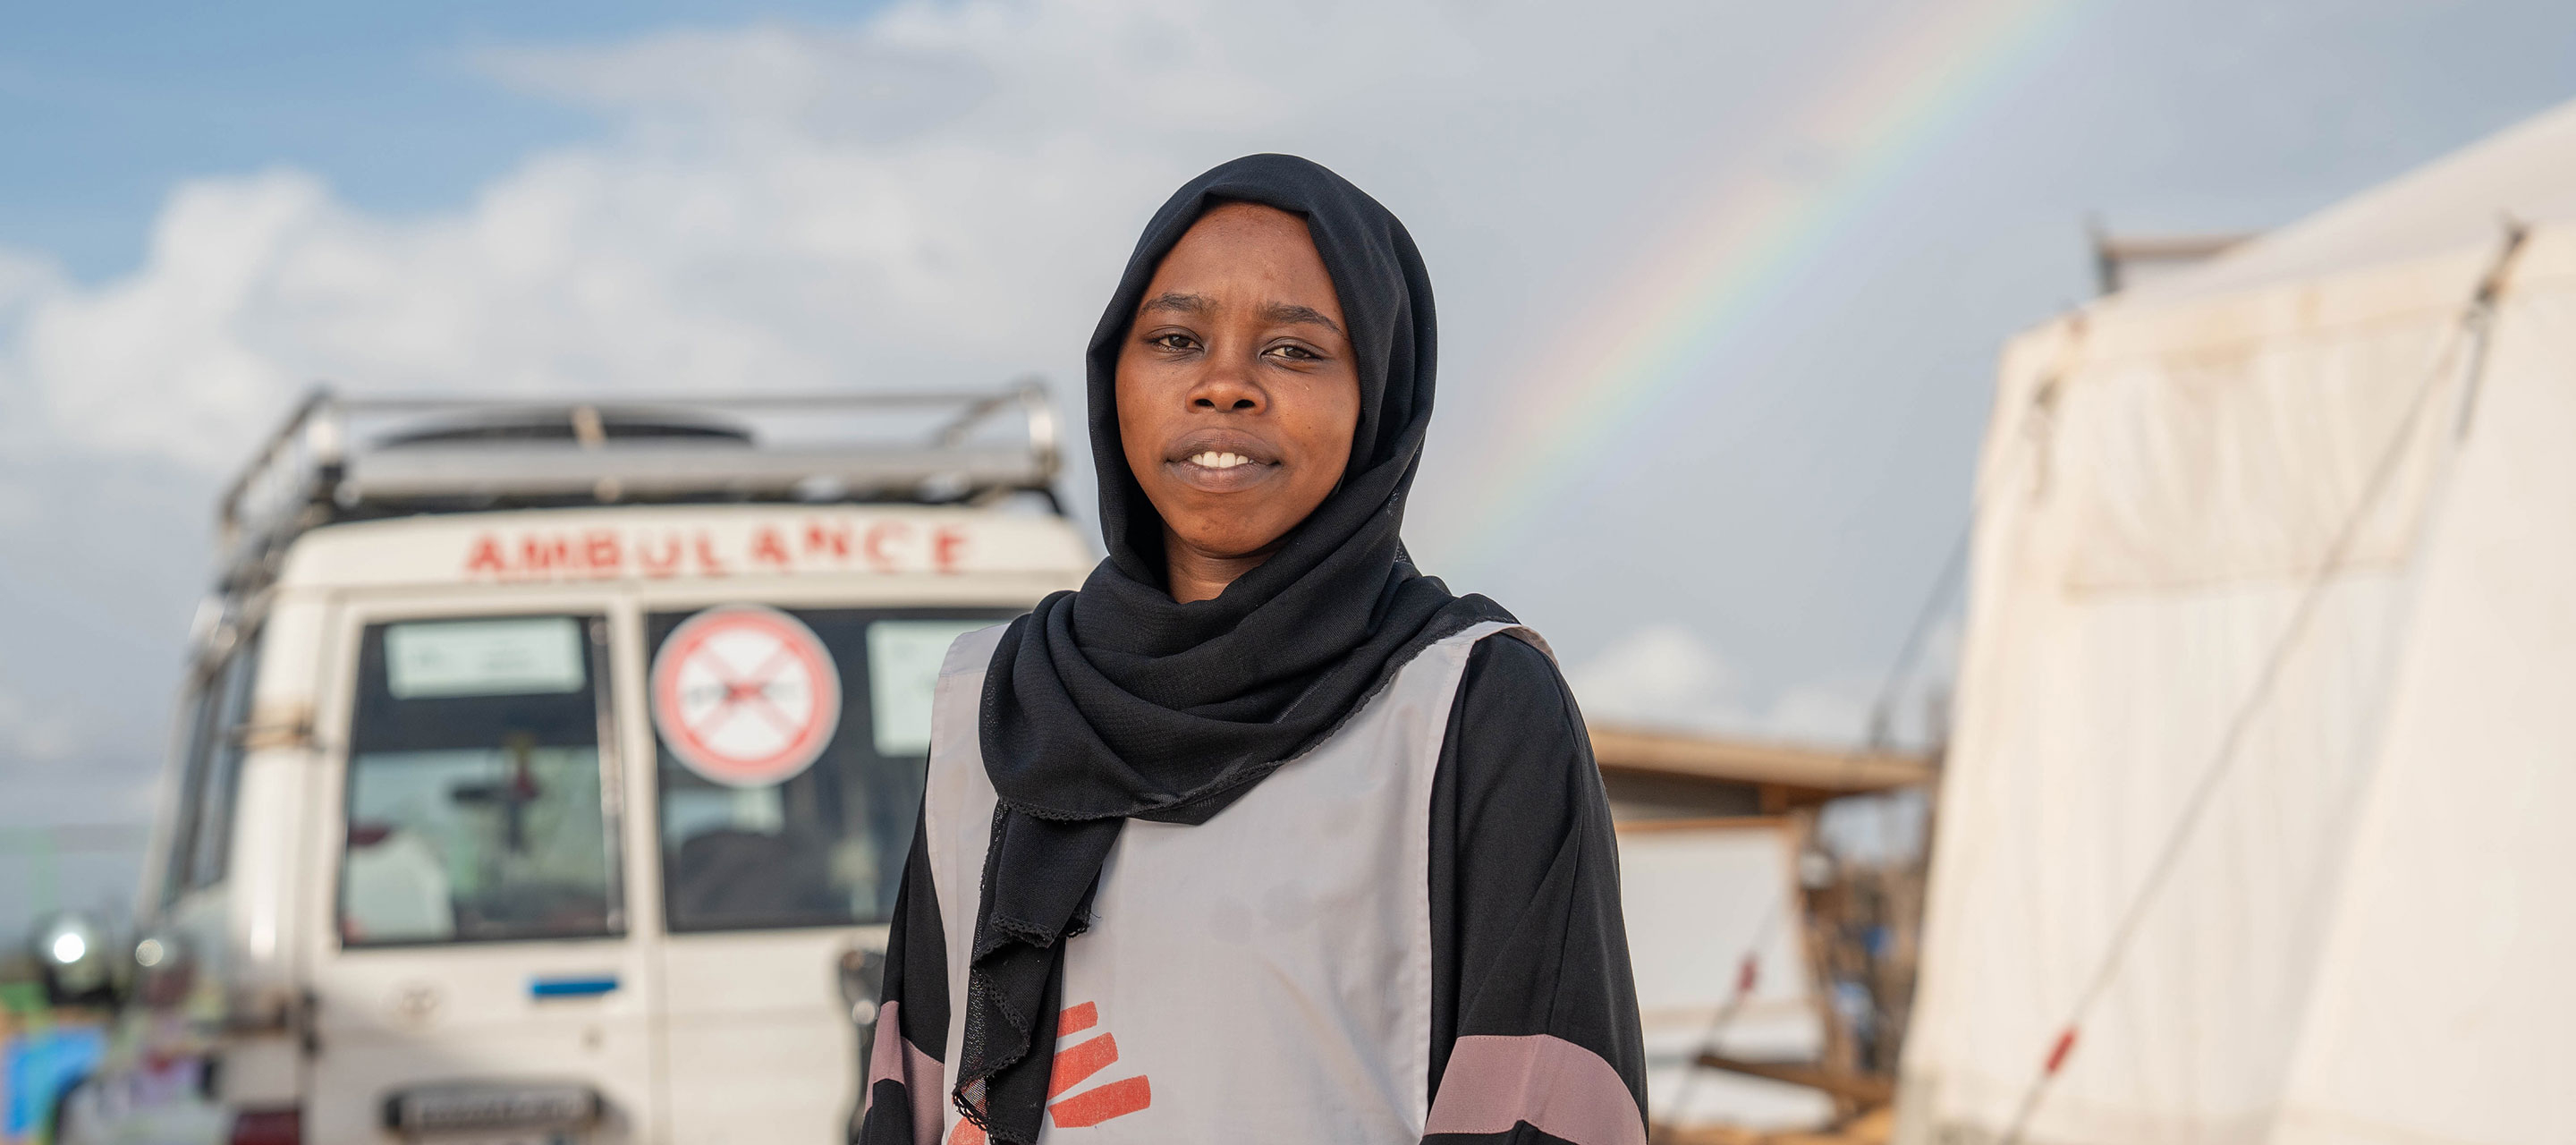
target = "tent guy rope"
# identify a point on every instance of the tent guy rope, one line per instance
(1748, 974)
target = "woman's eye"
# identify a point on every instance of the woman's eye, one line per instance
(1170, 341)
(1296, 353)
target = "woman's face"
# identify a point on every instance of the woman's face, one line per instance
(1237, 394)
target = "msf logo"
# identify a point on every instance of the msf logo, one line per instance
(1074, 1065)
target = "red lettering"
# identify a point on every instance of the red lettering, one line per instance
(878, 535)
(822, 536)
(539, 556)
(767, 547)
(707, 562)
(945, 542)
(600, 550)
(486, 557)
(665, 564)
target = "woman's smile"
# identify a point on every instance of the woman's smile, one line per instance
(1223, 461)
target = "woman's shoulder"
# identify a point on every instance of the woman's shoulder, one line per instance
(1516, 657)
(1512, 691)
(1516, 769)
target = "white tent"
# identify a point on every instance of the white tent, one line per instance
(2264, 782)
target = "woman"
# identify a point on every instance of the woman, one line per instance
(1261, 835)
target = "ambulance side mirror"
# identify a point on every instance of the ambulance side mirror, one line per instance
(862, 983)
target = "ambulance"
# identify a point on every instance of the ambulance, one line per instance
(547, 770)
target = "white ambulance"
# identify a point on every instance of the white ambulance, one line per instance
(547, 771)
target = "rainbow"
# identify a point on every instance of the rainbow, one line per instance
(1710, 276)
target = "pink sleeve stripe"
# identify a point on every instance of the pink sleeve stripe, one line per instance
(891, 1058)
(1493, 1083)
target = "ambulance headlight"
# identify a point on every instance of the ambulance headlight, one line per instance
(67, 940)
(74, 954)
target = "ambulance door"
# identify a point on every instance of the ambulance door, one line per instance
(790, 746)
(478, 981)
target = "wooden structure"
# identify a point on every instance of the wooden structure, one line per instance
(1661, 775)
(1856, 924)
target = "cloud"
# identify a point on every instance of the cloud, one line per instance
(1820, 714)
(172, 360)
(24, 279)
(937, 196)
(1666, 676)
(1660, 675)
(29, 734)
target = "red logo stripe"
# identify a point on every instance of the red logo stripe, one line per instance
(1073, 1065)
(1076, 1019)
(1093, 1106)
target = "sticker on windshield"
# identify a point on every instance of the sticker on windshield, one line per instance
(903, 670)
(432, 659)
(744, 695)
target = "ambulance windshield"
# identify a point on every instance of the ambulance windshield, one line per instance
(474, 808)
(788, 800)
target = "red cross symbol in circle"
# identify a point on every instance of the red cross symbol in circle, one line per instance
(745, 695)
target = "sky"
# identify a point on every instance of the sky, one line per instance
(1721, 284)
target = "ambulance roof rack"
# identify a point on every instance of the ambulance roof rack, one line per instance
(343, 458)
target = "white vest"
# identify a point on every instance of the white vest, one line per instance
(1263, 977)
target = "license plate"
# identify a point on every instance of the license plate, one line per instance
(484, 1113)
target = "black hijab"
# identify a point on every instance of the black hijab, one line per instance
(1116, 702)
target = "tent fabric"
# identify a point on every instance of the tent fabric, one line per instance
(2358, 941)
(2443, 1013)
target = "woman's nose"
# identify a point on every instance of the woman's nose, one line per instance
(1227, 385)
